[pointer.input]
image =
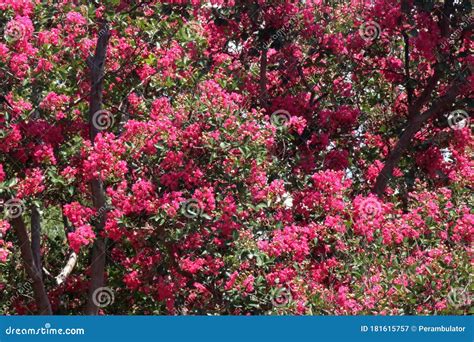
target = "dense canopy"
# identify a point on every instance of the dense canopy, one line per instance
(236, 157)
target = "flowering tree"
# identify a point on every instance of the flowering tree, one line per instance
(236, 157)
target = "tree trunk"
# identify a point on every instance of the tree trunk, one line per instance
(36, 238)
(39, 291)
(97, 267)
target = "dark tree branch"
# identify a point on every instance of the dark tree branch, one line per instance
(36, 238)
(97, 64)
(424, 97)
(414, 125)
(408, 86)
(39, 291)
